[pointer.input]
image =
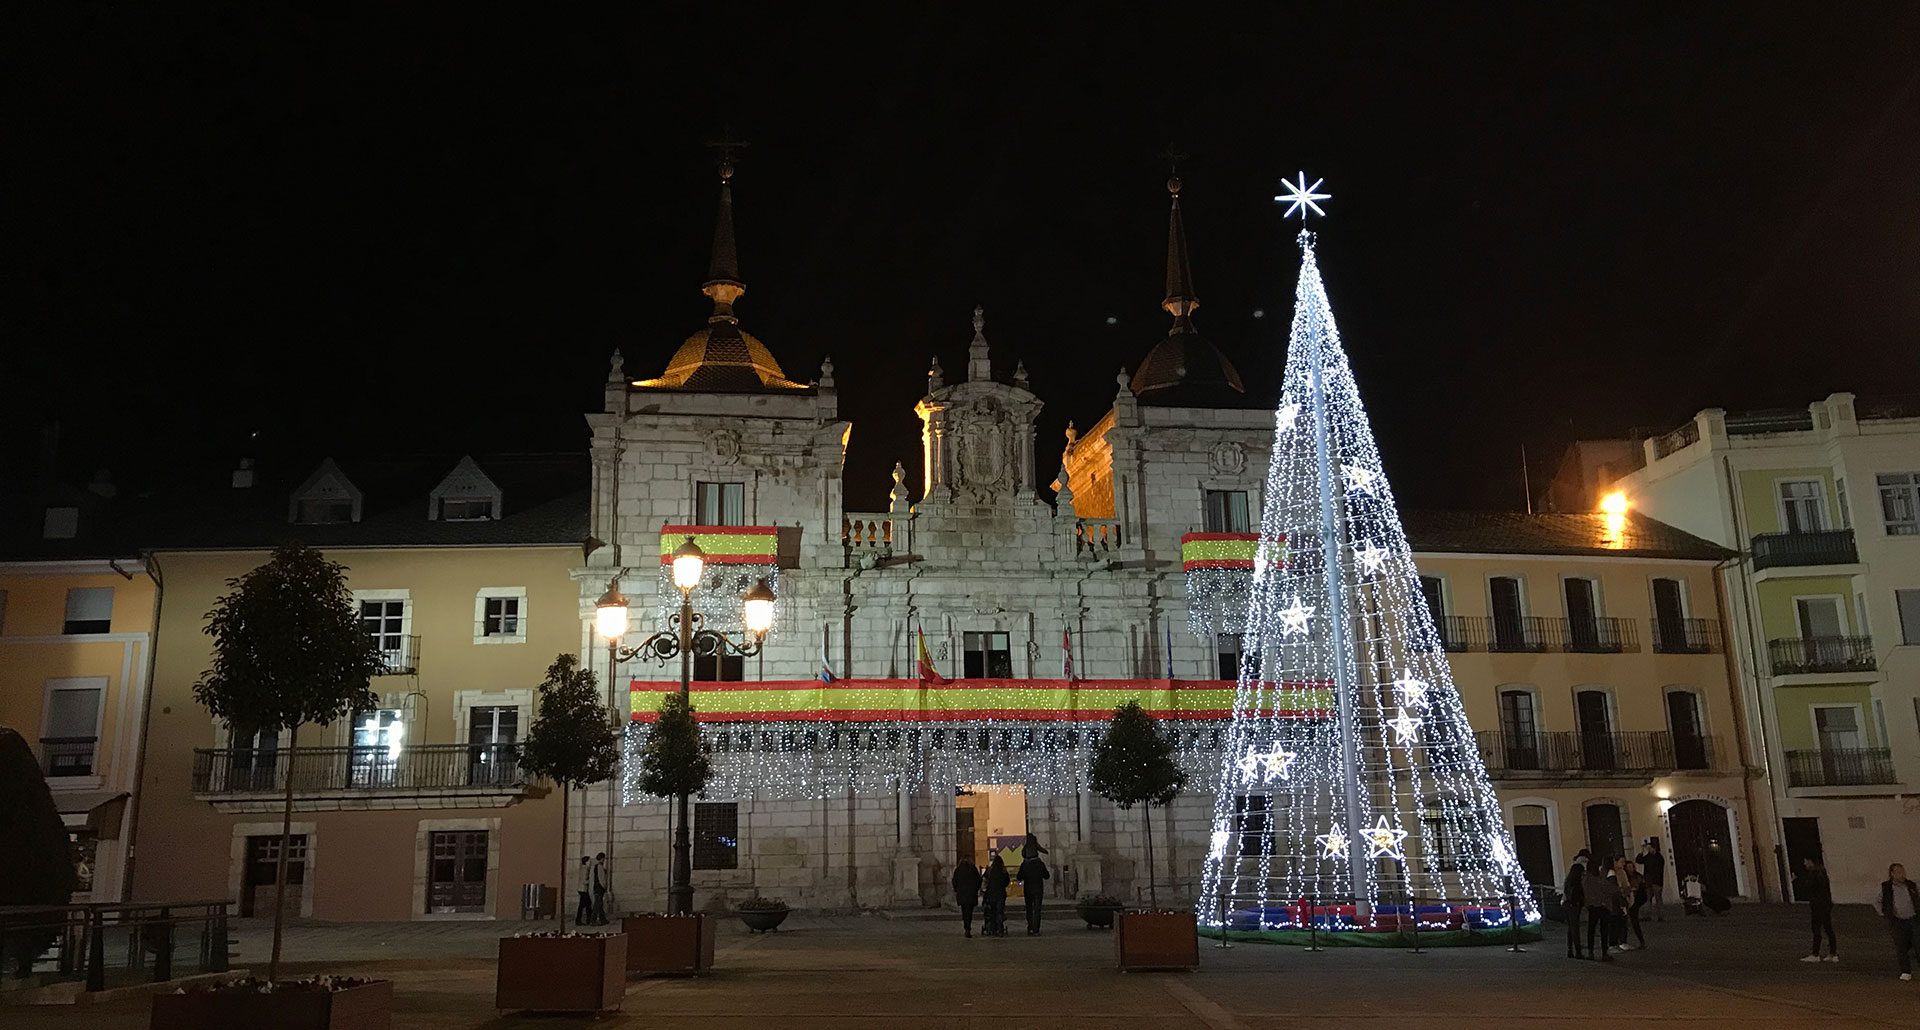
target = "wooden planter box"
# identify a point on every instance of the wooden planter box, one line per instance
(1156, 940)
(367, 1007)
(670, 944)
(561, 974)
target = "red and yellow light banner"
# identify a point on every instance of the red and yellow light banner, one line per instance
(905, 700)
(1224, 551)
(725, 545)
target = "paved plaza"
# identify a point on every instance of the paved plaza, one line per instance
(869, 972)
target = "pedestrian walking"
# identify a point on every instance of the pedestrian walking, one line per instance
(1899, 900)
(1818, 890)
(602, 886)
(1653, 866)
(1637, 888)
(1573, 899)
(584, 916)
(996, 898)
(1603, 895)
(1033, 888)
(966, 891)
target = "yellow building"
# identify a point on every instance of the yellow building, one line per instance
(415, 810)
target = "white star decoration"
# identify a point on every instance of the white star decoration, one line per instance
(1359, 477)
(1333, 842)
(1385, 840)
(1277, 762)
(1294, 620)
(1288, 414)
(1302, 196)
(1405, 727)
(1370, 557)
(1249, 766)
(1412, 690)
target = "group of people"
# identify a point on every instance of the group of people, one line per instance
(1610, 892)
(596, 882)
(970, 886)
(1897, 903)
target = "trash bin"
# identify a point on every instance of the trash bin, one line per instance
(531, 897)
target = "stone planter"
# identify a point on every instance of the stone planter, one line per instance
(761, 920)
(669, 944)
(366, 1007)
(561, 974)
(1156, 940)
(1097, 917)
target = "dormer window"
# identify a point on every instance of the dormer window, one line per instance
(322, 511)
(327, 497)
(466, 509)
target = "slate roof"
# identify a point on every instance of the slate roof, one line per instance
(1569, 533)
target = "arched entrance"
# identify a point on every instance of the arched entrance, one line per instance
(1703, 844)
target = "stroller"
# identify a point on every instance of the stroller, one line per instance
(1693, 896)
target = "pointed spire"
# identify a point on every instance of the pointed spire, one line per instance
(935, 378)
(723, 270)
(979, 367)
(1180, 301)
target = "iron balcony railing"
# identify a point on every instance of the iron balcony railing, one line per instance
(109, 945)
(1795, 655)
(1687, 636)
(1780, 550)
(1595, 753)
(478, 768)
(68, 756)
(399, 656)
(1840, 767)
(1534, 633)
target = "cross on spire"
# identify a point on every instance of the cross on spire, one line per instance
(724, 148)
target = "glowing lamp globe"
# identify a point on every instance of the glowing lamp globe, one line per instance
(1614, 503)
(610, 612)
(689, 561)
(759, 609)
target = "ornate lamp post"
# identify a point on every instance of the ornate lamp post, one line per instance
(684, 637)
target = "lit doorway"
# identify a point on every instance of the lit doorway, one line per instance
(990, 819)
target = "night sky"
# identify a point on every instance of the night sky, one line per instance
(355, 229)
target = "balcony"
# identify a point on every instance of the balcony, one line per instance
(1537, 634)
(1577, 753)
(67, 756)
(422, 776)
(1799, 655)
(1842, 767)
(1783, 550)
(399, 655)
(1687, 636)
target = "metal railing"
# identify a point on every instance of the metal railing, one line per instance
(1784, 550)
(1095, 538)
(1795, 655)
(112, 945)
(1687, 636)
(1840, 767)
(484, 768)
(402, 658)
(1590, 753)
(1684, 436)
(1534, 633)
(68, 756)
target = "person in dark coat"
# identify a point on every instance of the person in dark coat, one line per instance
(1818, 890)
(584, 917)
(1603, 897)
(1573, 898)
(966, 891)
(1653, 866)
(1033, 887)
(1899, 903)
(1032, 848)
(996, 898)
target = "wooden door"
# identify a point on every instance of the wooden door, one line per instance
(458, 871)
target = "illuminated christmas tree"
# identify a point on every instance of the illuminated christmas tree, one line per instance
(1351, 791)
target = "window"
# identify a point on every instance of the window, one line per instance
(1227, 647)
(1253, 823)
(1434, 589)
(61, 524)
(1908, 601)
(1593, 710)
(1509, 621)
(1445, 849)
(716, 835)
(1801, 507)
(466, 509)
(492, 731)
(720, 504)
(71, 726)
(1583, 614)
(1690, 749)
(988, 656)
(321, 511)
(1898, 503)
(1518, 730)
(385, 622)
(377, 736)
(1227, 512)
(89, 610)
(1837, 727)
(1846, 510)
(719, 668)
(501, 618)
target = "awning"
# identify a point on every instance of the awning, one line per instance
(100, 811)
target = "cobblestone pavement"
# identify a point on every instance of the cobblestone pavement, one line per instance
(869, 972)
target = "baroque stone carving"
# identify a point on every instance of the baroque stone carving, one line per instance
(1227, 459)
(724, 445)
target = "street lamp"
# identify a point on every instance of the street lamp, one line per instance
(685, 636)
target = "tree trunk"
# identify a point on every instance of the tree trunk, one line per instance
(286, 845)
(560, 888)
(1153, 894)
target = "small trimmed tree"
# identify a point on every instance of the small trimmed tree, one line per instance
(1133, 765)
(674, 764)
(288, 649)
(34, 851)
(571, 742)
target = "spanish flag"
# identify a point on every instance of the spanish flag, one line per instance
(928, 673)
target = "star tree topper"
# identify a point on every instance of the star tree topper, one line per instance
(1302, 197)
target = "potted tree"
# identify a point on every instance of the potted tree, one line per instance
(673, 762)
(571, 743)
(762, 914)
(288, 649)
(1133, 765)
